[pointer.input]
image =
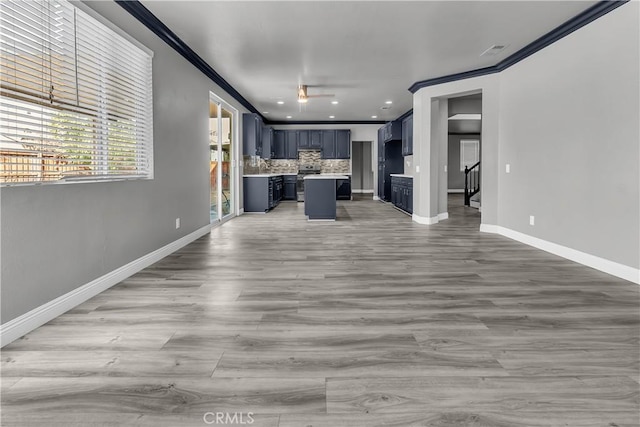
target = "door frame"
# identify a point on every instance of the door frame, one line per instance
(233, 163)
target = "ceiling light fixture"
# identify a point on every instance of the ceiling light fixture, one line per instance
(302, 94)
(374, 117)
(288, 117)
(334, 102)
(388, 102)
(280, 102)
(332, 117)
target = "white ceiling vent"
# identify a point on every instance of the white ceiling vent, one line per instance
(494, 50)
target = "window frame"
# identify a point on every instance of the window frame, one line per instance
(99, 143)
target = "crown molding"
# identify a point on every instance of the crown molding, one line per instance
(326, 122)
(575, 23)
(149, 20)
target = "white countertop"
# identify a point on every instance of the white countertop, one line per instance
(341, 173)
(326, 176)
(267, 175)
(399, 175)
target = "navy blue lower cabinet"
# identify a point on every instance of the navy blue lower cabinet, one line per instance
(343, 189)
(320, 198)
(402, 193)
(290, 187)
(262, 192)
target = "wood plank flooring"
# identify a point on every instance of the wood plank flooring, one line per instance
(369, 321)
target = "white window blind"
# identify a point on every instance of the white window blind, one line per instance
(469, 153)
(75, 100)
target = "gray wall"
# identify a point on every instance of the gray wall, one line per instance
(56, 238)
(569, 128)
(455, 175)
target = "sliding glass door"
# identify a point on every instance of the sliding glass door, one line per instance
(222, 170)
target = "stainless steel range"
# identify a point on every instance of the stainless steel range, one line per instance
(304, 170)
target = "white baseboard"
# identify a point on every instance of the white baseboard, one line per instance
(455, 190)
(376, 197)
(430, 220)
(241, 211)
(362, 191)
(424, 220)
(18, 327)
(610, 267)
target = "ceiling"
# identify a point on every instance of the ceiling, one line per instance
(364, 52)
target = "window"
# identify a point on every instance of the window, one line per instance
(469, 153)
(75, 100)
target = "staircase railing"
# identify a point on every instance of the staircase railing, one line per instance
(471, 182)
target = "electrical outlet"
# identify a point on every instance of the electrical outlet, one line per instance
(417, 169)
(177, 223)
(508, 168)
(532, 220)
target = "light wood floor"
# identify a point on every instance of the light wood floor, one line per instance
(368, 321)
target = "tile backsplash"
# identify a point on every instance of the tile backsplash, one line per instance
(254, 165)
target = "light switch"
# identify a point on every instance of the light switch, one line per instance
(445, 168)
(508, 168)
(532, 220)
(417, 168)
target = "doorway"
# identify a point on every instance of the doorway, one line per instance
(222, 157)
(464, 147)
(361, 167)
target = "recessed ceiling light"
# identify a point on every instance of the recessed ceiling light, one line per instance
(288, 117)
(332, 117)
(280, 102)
(388, 102)
(466, 117)
(374, 117)
(334, 102)
(265, 112)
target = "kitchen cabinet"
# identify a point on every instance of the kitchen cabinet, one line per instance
(380, 164)
(328, 144)
(392, 131)
(262, 192)
(267, 143)
(276, 183)
(303, 139)
(343, 144)
(390, 161)
(407, 136)
(290, 187)
(402, 193)
(252, 134)
(343, 189)
(279, 143)
(315, 139)
(291, 144)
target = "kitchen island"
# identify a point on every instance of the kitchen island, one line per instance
(320, 196)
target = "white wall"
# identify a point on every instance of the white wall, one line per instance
(567, 121)
(569, 128)
(56, 238)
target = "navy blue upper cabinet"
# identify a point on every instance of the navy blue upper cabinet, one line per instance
(392, 131)
(328, 144)
(343, 144)
(291, 145)
(267, 142)
(303, 139)
(279, 138)
(407, 136)
(252, 134)
(315, 139)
